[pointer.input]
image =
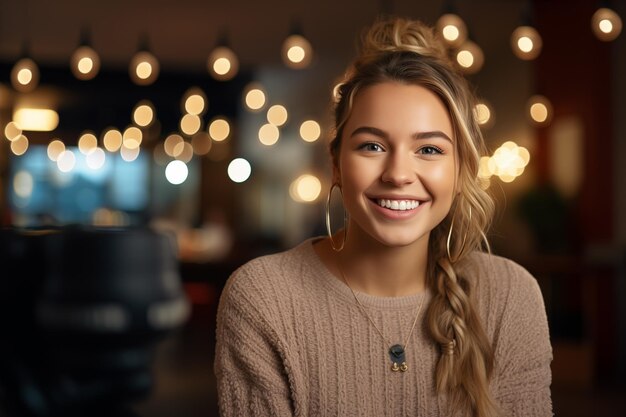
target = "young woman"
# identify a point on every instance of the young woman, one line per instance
(400, 313)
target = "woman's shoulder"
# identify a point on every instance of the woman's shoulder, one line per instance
(501, 285)
(269, 276)
(498, 273)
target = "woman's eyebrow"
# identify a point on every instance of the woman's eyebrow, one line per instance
(382, 134)
(431, 134)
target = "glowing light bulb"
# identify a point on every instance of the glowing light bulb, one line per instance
(305, 189)
(539, 110)
(255, 97)
(194, 101)
(277, 115)
(470, 58)
(176, 172)
(143, 114)
(223, 63)
(526, 43)
(452, 28)
(483, 114)
(144, 68)
(297, 52)
(85, 63)
(25, 75)
(239, 170)
(268, 134)
(606, 24)
(310, 131)
(219, 129)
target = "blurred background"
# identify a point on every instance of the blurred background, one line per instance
(210, 120)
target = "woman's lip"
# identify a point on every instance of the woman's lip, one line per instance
(396, 214)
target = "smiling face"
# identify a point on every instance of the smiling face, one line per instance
(396, 165)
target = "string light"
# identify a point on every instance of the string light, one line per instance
(112, 139)
(143, 113)
(277, 115)
(194, 101)
(297, 51)
(19, 146)
(606, 24)
(144, 66)
(310, 131)
(305, 189)
(223, 64)
(87, 142)
(239, 170)
(131, 138)
(55, 148)
(190, 124)
(470, 57)
(507, 162)
(526, 42)
(452, 29)
(85, 62)
(219, 129)
(25, 75)
(12, 131)
(483, 112)
(176, 172)
(268, 134)
(539, 110)
(254, 97)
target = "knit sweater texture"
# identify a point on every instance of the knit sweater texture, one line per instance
(291, 341)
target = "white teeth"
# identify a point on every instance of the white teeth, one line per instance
(401, 205)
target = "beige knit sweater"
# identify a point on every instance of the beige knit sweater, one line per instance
(292, 342)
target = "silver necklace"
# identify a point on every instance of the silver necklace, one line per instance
(397, 352)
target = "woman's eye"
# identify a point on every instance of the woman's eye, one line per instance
(371, 147)
(430, 150)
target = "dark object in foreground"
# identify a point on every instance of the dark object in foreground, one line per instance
(80, 312)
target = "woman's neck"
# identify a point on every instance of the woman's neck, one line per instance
(373, 268)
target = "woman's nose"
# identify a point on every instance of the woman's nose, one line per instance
(399, 169)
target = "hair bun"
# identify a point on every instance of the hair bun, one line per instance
(399, 34)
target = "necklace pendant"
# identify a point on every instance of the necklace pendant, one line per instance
(397, 356)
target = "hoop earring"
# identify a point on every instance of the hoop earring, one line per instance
(450, 237)
(345, 220)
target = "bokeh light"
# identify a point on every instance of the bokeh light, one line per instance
(606, 24)
(190, 124)
(194, 101)
(526, 42)
(219, 129)
(268, 134)
(297, 52)
(310, 131)
(255, 97)
(223, 63)
(54, 149)
(112, 139)
(85, 63)
(539, 110)
(87, 142)
(176, 172)
(143, 114)
(277, 115)
(239, 170)
(305, 189)
(452, 29)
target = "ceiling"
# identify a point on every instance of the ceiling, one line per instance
(182, 32)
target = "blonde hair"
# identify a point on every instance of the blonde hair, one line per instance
(407, 51)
